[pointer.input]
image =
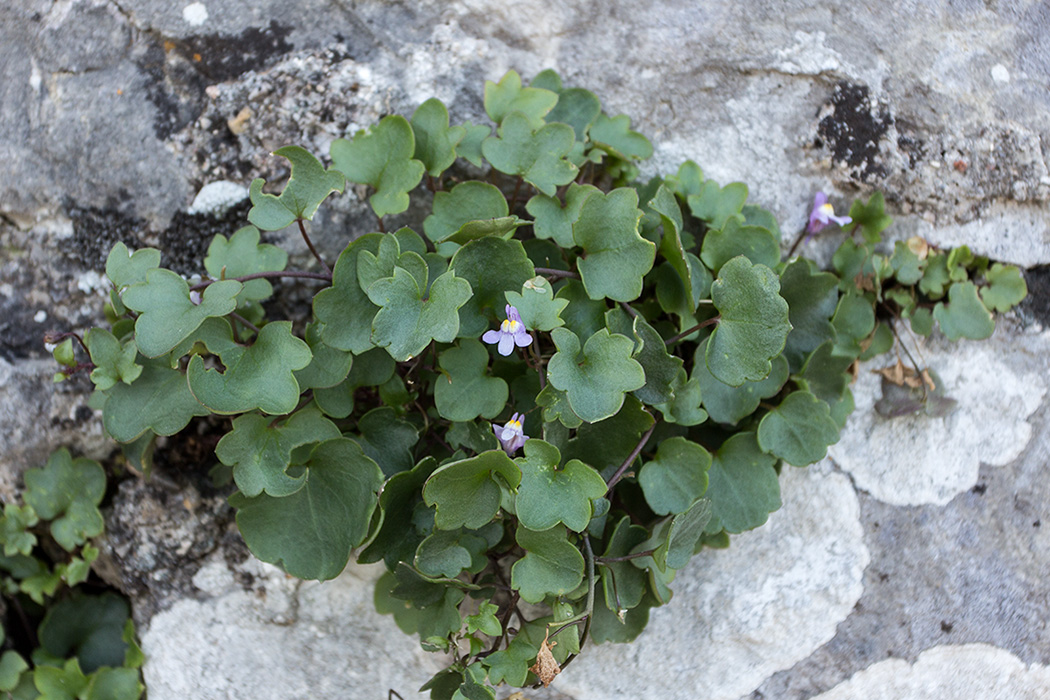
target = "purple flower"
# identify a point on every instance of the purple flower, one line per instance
(822, 214)
(511, 436)
(511, 332)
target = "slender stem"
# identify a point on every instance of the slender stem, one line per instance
(539, 365)
(310, 245)
(626, 557)
(268, 275)
(627, 308)
(551, 272)
(798, 240)
(630, 458)
(589, 610)
(248, 324)
(914, 364)
(703, 324)
(382, 228)
(514, 197)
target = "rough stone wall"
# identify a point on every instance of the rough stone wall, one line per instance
(904, 546)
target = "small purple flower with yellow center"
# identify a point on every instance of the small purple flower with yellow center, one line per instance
(511, 436)
(511, 332)
(822, 214)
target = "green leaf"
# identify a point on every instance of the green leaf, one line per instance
(167, 315)
(260, 376)
(328, 366)
(728, 404)
(466, 492)
(464, 203)
(11, 667)
(243, 255)
(113, 362)
(922, 322)
(576, 107)
(826, 373)
(448, 552)
(556, 407)
(507, 96)
(374, 368)
(549, 495)
(1006, 288)
(755, 243)
(551, 565)
(67, 492)
(14, 534)
(407, 320)
(754, 322)
(671, 246)
(539, 310)
(622, 583)
(159, 401)
(616, 257)
(715, 205)
(114, 684)
(854, 320)
(309, 185)
(260, 450)
(60, 683)
(470, 147)
(383, 158)
(493, 267)
(552, 220)
(811, 297)
(614, 136)
(660, 367)
(684, 532)
(906, 264)
(607, 444)
(511, 665)
(402, 507)
(936, 278)
(465, 390)
(596, 381)
(964, 316)
(606, 626)
(124, 268)
(435, 141)
(344, 308)
(485, 621)
(742, 485)
(539, 157)
(684, 408)
(799, 430)
(675, 477)
(89, 627)
(310, 533)
(689, 180)
(870, 217)
(387, 439)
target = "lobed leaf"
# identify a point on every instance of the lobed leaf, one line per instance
(466, 493)
(715, 205)
(435, 140)
(125, 268)
(551, 565)
(67, 492)
(597, 381)
(799, 430)
(536, 303)
(308, 186)
(243, 255)
(548, 495)
(964, 316)
(539, 156)
(616, 257)
(114, 361)
(407, 320)
(465, 390)
(508, 96)
(383, 158)
(742, 485)
(675, 477)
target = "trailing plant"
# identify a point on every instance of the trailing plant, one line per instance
(81, 645)
(537, 403)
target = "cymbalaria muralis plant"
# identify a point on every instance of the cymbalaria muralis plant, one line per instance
(535, 404)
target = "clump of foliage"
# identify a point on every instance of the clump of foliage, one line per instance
(84, 646)
(553, 390)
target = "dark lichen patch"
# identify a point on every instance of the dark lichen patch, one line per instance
(222, 57)
(185, 242)
(173, 85)
(96, 230)
(853, 128)
(1037, 304)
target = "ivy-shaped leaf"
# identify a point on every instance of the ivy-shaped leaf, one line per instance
(14, 530)
(309, 185)
(485, 621)
(605, 445)
(576, 107)
(555, 404)
(311, 532)
(465, 390)
(159, 401)
(383, 158)
(168, 315)
(328, 366)
(614, 136)
(964, 316)
(552, 220)
(401, 502)
(549, 495)
(754, 322)
(826, 373)
(260, 376)
(470, 147)
(508, 96)
(623, 584)
(616, 257)
(124, 268)
(539, 157)
(907, 266)
(67, 492)
(854, 320)
(436, 141)
(715, 205)
(675, 477)
(243, 255)
(583, 316)
(812, 297)
(731, 404)
(799, 430)
(407, 320)
(539, 310)
(686, 404)
(870, 217)
(755, 243)
(448, 552)
(493, 267)
(671, 247)
(113, 362)
(689, 180)
(387, 439)
(344, 308)
(661, 368)
(683, 532)
(466, 493)
(1006, 288)
(596, 382)
(742, 485)
(551, 565)
(464, 203)
(259, 450)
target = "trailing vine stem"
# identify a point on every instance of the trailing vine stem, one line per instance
(267, 275)
(310, 245)
(556, 274)
(630, 458)
(703, 324)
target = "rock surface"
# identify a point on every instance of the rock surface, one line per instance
(116, 113)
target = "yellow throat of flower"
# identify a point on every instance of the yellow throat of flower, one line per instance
(509, 326)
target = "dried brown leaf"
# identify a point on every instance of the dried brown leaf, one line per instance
(546, 668)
